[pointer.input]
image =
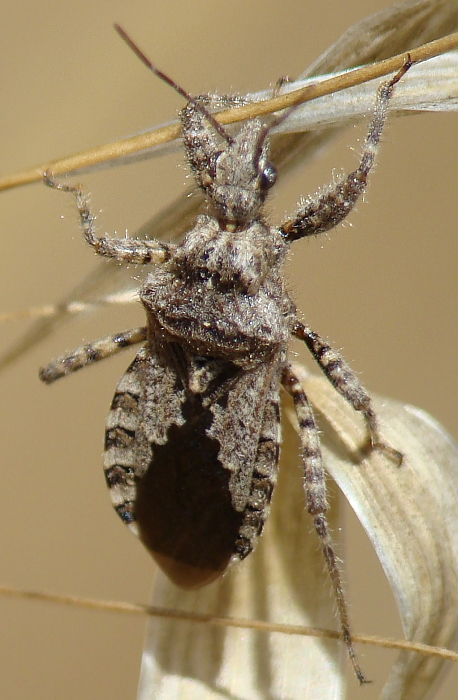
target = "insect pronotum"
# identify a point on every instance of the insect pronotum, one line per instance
(193, 432)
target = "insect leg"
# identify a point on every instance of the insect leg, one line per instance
(126, 250)
(328, 208)
(345, 381)
(317, 504)
(93, 352)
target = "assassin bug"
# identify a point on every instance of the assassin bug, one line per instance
(193, 433)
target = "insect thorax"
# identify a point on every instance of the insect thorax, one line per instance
(222, 295)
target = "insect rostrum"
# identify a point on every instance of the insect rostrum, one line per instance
(193, 432)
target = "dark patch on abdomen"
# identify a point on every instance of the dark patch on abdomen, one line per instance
(183, 507)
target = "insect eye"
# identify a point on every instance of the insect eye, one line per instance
(269, 176)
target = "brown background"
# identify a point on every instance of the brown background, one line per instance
(384, 290)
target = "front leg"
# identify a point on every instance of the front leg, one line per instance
(327, 209)
(126, 250)
(345, 381)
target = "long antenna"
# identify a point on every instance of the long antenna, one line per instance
(189, 98)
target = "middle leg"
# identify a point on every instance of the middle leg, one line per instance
(125, 250)
(345, 381)
(90, 353)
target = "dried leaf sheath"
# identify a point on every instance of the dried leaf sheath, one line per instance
(410, 516)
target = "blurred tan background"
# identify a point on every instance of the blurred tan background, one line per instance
(384, 290)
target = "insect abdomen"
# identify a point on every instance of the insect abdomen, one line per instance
(180, 503)
(120, 458)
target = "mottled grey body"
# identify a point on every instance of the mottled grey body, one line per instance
(193, 433)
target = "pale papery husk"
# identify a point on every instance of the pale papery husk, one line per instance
(410, 516)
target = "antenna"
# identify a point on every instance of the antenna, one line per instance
(189, 98)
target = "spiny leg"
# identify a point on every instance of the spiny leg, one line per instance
(317, 505)
(327, 209)
(125, 250)
(345, 381)
(88, 354)
(281, 82)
